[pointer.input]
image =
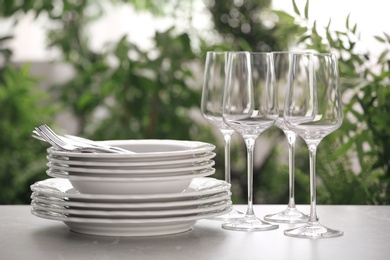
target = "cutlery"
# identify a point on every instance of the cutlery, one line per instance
(44, 133)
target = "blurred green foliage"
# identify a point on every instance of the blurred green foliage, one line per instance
(22, 107)
(125, 92)
(353, 162)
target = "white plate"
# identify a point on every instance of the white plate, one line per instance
(145, 149)
(101, 163)
(118, 170)
(219, 205)
(62, 188)
(195, 202)
(128, 227)
(131, 185)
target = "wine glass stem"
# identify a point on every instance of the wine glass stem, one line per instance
(250, 142)
(312, 154)
(291, 137)
(227, 138)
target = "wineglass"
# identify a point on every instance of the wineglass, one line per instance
(249, 107)
(281, 62)
(211, 108)
(313, 110)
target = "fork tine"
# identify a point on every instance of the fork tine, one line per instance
(36, 135)
(48, 129)
(56, 141)
(39, 137)
(61, 142)
(51, 134)
(46, 137)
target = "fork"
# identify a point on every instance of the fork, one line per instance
(40, 135)
(83, 142)
(58, 143)
(77, 139)
(63, 143)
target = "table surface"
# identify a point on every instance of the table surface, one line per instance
(366, 236)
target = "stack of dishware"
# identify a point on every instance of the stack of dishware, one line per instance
(160, 187)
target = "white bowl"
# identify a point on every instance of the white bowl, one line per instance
(132, 185)
(199, 188)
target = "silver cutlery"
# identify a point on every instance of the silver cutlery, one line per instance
(74, 144)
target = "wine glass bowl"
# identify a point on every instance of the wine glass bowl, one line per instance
(313, 110)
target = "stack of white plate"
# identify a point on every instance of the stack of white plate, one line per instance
(159, 189)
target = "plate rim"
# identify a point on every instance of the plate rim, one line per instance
(133, 205)
(218, 205)
(67, 186)
(122, 178)
(205, 164)
(194, 148)
(206, 157)
(86, 220)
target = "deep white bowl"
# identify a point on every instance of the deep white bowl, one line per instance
(131, 185)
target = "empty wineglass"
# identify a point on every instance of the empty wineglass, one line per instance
(313, 110)
(249, 107)
(281, 63)
(211, 108)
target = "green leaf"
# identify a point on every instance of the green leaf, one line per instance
(328, 26)
(303, 38)
(387, 37)
(345, 148)
(380, 39)
(7, 37)
(347, 21)
(354, 28)
(284, 16)
(383, 56)
(359, 149)
(296, 10)
(314, 29)
(358, 115)
(307, 10)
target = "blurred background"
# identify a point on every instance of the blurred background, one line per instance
(133, 69)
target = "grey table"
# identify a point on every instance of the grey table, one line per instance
(367, 236)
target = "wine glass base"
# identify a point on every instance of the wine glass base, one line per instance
(313, 230)
(232, 215)
(249, 223)
(289, 215)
